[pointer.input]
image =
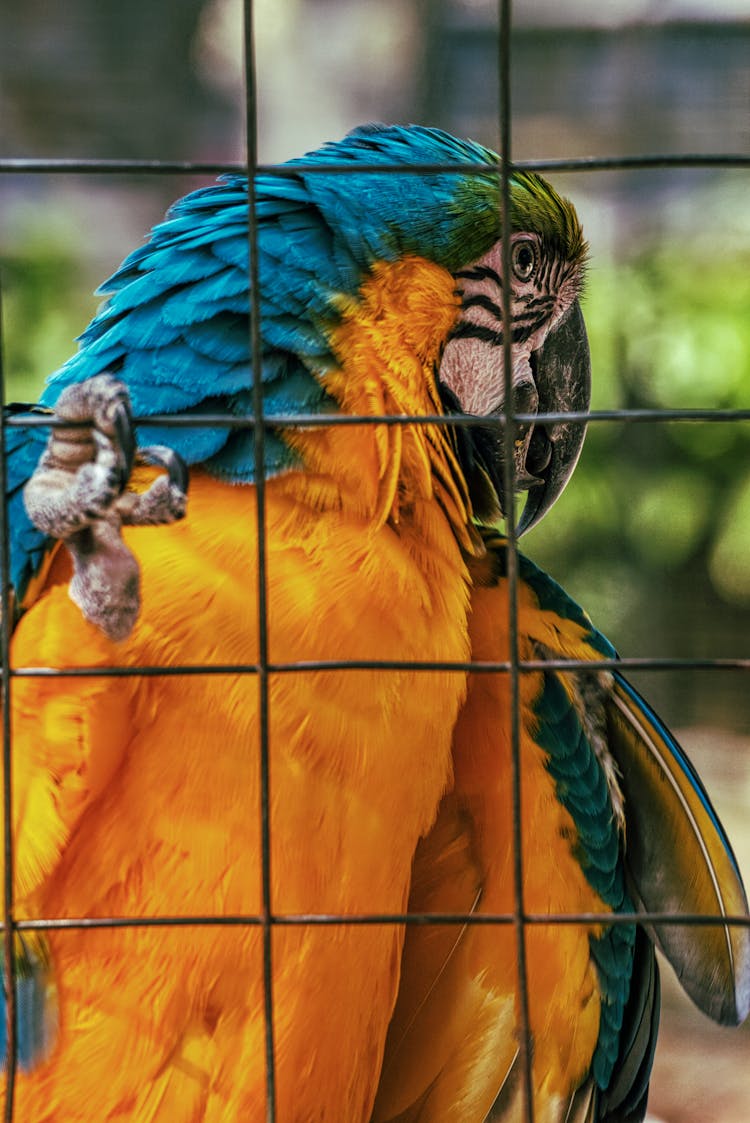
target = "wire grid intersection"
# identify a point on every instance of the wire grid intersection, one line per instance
(260, 422)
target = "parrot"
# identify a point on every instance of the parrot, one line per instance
(202, 988)
(614, 819)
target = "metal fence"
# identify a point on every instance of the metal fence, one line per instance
(514, 668)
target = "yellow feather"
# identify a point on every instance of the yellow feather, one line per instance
(388, 344)
(139, 797)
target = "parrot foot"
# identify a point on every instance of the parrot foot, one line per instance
(78, 495)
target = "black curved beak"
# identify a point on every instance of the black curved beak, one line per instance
(562, 374)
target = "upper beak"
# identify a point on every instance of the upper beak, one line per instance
(562, 374)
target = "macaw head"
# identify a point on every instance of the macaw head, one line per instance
(451, 215)
(550, 369)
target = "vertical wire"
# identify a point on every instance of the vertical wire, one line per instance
(251, 140)
(9, 960)
(509, 487)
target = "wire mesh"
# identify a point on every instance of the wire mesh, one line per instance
(514, 667)
(509, 485)
(9, 959)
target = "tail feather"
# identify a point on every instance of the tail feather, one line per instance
(626, 1095)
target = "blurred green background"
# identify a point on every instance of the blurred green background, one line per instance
(653, 533)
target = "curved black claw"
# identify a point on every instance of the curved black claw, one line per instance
(122, 423)
(161, 456)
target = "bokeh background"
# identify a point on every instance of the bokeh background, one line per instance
(653, 533)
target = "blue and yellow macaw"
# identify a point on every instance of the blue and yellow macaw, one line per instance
(139, 796)
(614, 820)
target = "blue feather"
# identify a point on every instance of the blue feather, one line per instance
(189, 266)
(232, 460)
(36, 1006)
(195, 445)
(223, 286)
(191, 374)
(180, 311)
(226, 338)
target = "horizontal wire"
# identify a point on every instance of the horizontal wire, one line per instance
(625, 163)
(280, 920)
(16, 420)
(22, 165)
(37, 166)
(308, 666)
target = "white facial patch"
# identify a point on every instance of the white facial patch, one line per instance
(472, 363)
(473, 370)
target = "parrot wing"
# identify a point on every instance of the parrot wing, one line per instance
(600, 739)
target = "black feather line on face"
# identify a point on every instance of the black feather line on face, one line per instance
(480, 273)
(466, 329)
(545, 302)
(479, 300)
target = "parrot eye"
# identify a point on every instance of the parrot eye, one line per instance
(523, 260)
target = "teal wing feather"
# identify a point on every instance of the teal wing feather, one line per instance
(581, 787)
(625, 1097)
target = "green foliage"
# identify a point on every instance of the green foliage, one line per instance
(688, 341)
(45, 303)
(730, 550)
